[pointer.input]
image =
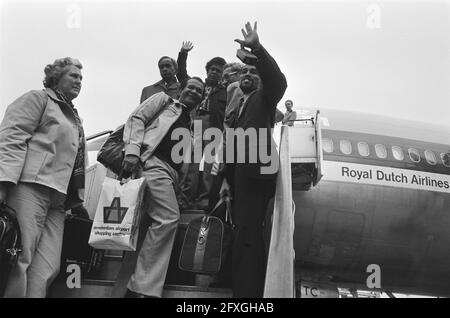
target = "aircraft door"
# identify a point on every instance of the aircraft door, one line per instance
(305, 149)
(318, 138)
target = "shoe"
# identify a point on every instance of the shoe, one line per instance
(132, 294)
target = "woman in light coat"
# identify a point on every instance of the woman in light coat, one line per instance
(42, 171)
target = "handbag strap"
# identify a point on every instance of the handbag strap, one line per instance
(227, 200)
(157, 114)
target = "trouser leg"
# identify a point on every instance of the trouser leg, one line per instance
(153, 260)
(249, 258)
(46, 262)
(31, 202)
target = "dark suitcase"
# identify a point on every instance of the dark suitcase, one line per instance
(10, 244)
(208, 239)
(76, 249)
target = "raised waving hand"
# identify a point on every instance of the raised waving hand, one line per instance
(251, 39)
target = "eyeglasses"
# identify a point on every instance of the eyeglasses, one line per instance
(251, 70)
(228, 75)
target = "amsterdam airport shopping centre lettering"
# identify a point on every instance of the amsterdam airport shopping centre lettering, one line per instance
(358, 173)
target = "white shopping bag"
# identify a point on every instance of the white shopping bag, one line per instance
(117, 218)
(95, 175)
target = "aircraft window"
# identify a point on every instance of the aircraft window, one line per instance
(431, 158)
(363, 148)
(381, 151)
(414, 155)
(397, 153)
(327, 145)
(446, 159)
(346, 147)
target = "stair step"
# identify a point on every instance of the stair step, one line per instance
(117, 258)
(91, 288)
(113, 253)
(182, 291)
(110, 269)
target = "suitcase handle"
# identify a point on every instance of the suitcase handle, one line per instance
(223, 199)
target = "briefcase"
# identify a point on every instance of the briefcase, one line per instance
(76, 249)
(207, 241)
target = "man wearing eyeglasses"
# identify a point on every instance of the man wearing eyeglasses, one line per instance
(231, 72)
(230, 78)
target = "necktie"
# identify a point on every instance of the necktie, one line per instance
(241, 107)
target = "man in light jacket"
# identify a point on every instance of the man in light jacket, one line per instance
(148, 141)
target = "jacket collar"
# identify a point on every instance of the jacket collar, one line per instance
(162, 83)
(177, 103)
(245, 100)
(51, 93)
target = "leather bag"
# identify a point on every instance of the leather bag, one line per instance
(207, 241)
(10, 244)
(111, 154)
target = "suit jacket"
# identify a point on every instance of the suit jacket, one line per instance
(38, 141)
(258, 111)
(172, 90)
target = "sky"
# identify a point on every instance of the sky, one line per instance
(379, 57)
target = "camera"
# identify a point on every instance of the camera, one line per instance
(246, 57)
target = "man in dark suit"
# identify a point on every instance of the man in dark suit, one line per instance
(168, 84)
(253, 184)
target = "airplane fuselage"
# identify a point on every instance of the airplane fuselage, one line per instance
(383, 200)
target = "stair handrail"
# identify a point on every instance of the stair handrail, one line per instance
(280, 275)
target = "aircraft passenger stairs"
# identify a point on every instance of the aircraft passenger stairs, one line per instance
(110, 281)
(300, 166)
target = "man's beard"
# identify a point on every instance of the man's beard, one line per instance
(247, 89)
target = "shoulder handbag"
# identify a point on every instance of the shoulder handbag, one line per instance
(112, 152)
(10, 244)
(207, 241)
